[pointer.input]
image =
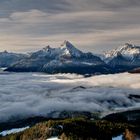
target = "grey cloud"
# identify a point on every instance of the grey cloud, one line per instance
(119, 4)
(8, 6)
(99, 22)
(38, 22)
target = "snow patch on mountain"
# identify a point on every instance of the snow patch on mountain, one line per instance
(69, 49)
(128, 51)
(66, 50)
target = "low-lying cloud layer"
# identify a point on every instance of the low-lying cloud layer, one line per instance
(25, 94)
(93, 25)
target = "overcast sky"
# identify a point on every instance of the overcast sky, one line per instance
(91, 25)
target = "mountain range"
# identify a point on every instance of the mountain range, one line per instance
(68, 59)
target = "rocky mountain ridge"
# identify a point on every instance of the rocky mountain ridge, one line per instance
(68, 59)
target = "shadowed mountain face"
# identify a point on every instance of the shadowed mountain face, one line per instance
(7, 59)
(65, 59)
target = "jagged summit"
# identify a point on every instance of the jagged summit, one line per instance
(123, 58)
(128, 51)
(66, 49)
(67, 43)
(70, 49)
(128, 46)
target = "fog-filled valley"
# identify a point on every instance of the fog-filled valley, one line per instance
(37, 94)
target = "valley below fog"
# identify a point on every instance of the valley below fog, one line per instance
(26, 95)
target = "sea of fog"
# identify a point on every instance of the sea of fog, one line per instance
(38, 94)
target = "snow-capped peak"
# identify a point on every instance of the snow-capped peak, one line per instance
(128, 47)
(66, 50)
(68, 45)
(69, 49)
(128, 51)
